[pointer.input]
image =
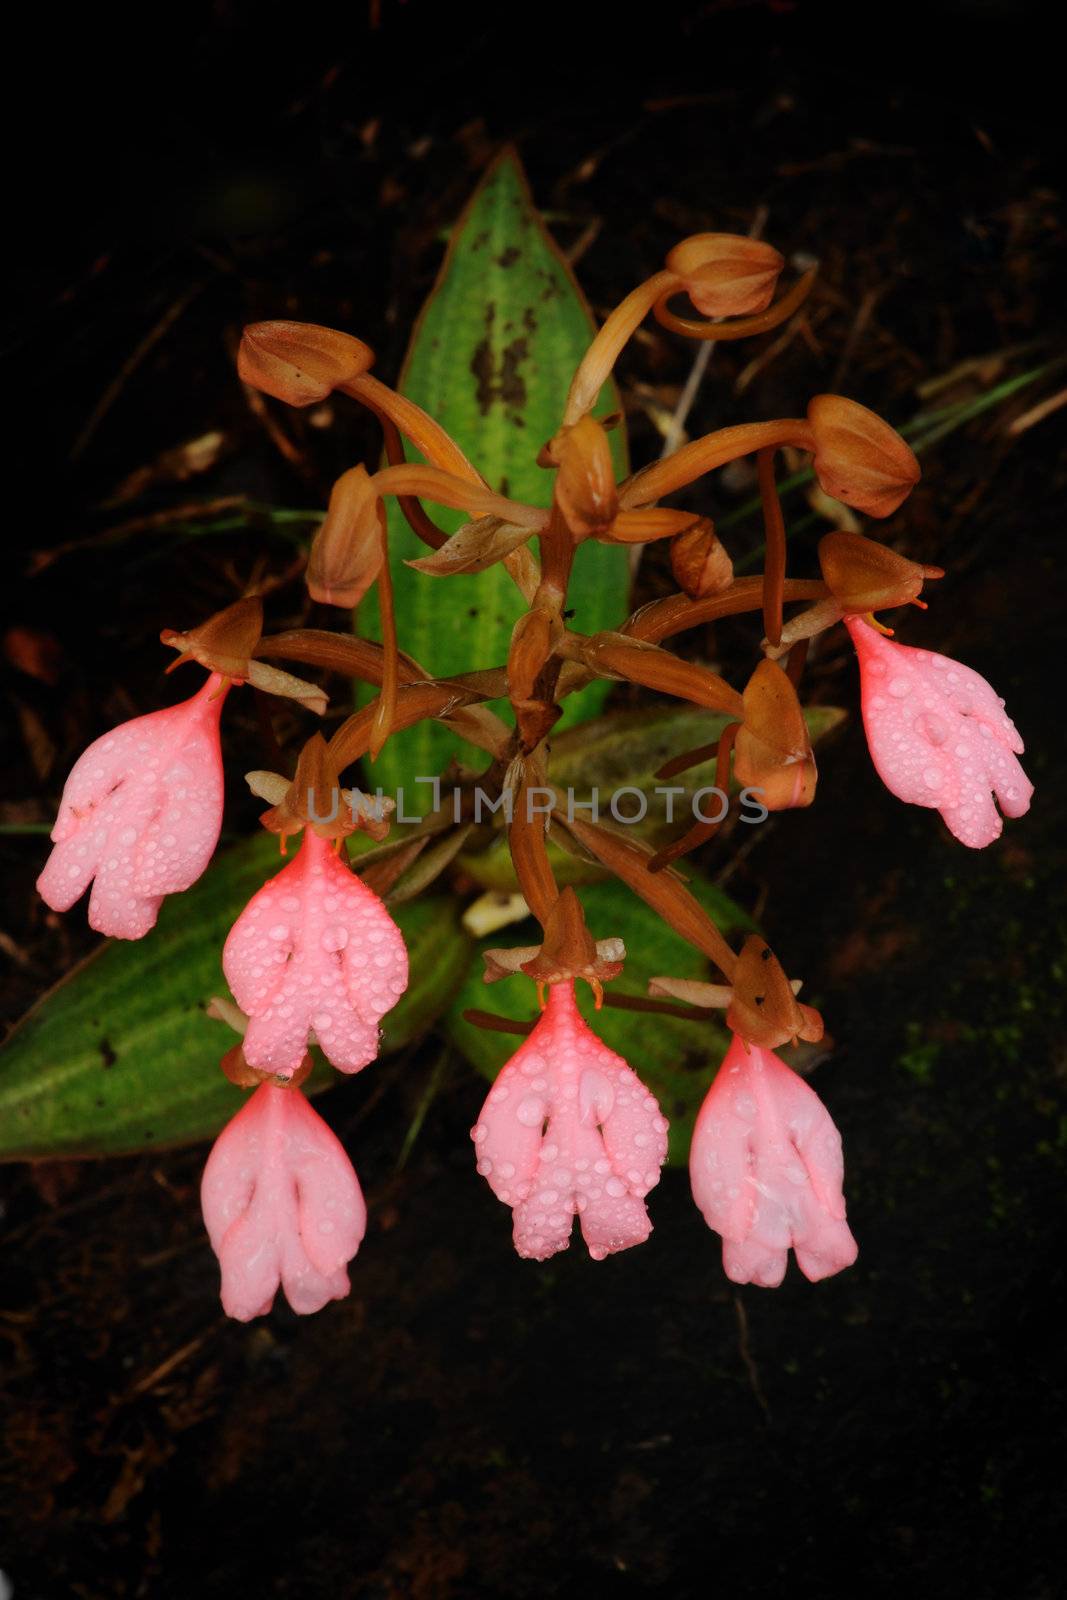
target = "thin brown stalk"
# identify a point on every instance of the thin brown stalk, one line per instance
(701, 832)
(383, 722)
(774, 560)
(677, 612)
(495, 1024)
(740, 327)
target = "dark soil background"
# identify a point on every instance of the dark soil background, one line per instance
(466, 1424)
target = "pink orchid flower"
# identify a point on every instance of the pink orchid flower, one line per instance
(314, 955)
(282, 1204)
(939, 735)
(141, 813)
(766, 1169)
(566, 1129)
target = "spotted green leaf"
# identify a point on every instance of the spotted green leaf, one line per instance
(491, 358)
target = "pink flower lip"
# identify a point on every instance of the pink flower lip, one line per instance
(282, 1205)
(939, 736)
(766, 1169)
(568, 1129)
(140, 814)
(314, 955)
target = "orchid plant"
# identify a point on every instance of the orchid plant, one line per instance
(316, 959)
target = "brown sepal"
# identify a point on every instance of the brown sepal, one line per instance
(764, 1010)
(300, 362)
(346, 553)
(224, 643)
(585, 483)
(663, 891)
(316, 792)
(863, 575)
(726, 274)
(700, 562)
(772, 752)
(568, 950)
(859, 458)
(237, 1069)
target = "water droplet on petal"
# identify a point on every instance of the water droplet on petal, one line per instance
(530, 1110)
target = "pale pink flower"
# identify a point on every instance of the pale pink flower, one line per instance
(314, 955)
(140, 813)
(568, 1128)
(282, 1204)
(939, 735)
(766, 1169)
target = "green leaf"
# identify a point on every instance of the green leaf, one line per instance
(491, 358)
(676, 1058)
(624, 750)
(119, 1056)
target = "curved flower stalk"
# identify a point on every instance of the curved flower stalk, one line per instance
(939, 735)
(568, 1129)
(766, 1168)
(282, 1205)
(140, 815)
(314, 956)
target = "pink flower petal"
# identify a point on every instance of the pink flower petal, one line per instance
(141, 813)
(282, 1205)
(314, 953)
(566, 1130)
(939, 736)
(766, 1169)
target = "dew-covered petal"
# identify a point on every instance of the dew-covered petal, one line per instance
(180, 840)
(141, 812)
(568, 1129)
(615, 1219)
(939, 736)
(314, 953)
(507, 1134)
(276, 1041)
(751, 1261)
(331, 1208)
(282, 1205)
(767, 1168)
(722, 1152)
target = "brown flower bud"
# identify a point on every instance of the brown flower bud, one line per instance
(863, 575)
(859, 458)
(726, 274)
(764, 1010)
(346, 553)
(224, 643)
(773, 751)
(585, 483)
(700, 562)
(300, 362)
